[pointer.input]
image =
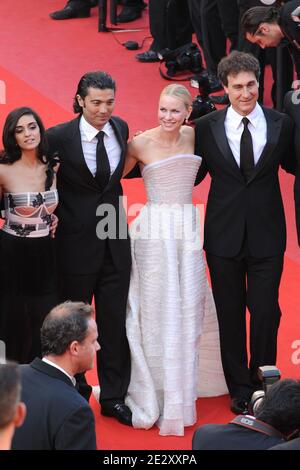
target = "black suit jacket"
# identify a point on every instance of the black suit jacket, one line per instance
(58, 417)
(234, 206)
(292, 107)
(80, 251)
(231, 437)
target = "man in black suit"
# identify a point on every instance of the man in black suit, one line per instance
(92, 150)
(277, 419)
(12, 410)
(58, 417)
(292, 108)
(267, 27)
(242, 148)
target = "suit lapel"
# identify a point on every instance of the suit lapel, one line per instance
(274, 124)
(76, 152)
(75, 149)
(117, 174)
(217, 125)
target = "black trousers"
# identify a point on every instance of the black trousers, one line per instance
(110, 289)
(170, 24)
(213, 22)
(238, 283)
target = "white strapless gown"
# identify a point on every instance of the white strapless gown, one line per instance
(171, 320)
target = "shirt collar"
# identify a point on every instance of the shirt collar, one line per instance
(73, 380)
(90, 131)
(236, 118)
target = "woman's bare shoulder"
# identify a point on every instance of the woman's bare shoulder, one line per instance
(142, 140)
(188, 131)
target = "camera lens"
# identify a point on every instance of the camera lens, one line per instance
(256, 401)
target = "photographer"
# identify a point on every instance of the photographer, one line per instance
(268, 27)
(276, 420)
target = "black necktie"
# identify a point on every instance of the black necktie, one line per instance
(103, 167)
(246, 151)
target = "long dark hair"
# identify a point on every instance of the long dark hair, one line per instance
(12, 151)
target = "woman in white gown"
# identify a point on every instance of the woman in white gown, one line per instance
(171, 319)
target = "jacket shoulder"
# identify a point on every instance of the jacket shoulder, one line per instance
(61, 129)
(274, 114)
(119, 122)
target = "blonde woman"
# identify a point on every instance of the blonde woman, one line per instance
(171, 320)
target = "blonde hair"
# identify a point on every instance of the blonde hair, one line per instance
(180, 92)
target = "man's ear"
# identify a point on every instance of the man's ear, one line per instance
(73, 348)
(264, 28)
(20, 414)
(80, 101)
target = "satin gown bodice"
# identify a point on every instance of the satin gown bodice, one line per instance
(171, 180)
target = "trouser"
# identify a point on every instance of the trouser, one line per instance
(170, 24)
(109, 287)
(237, 283)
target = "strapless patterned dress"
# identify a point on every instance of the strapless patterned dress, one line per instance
(28, 287)
(171, 321)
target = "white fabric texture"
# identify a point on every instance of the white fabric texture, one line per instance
(171, 320)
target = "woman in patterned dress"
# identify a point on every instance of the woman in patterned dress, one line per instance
(27, 258)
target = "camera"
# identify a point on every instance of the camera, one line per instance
(187, 57)
(268, 375)
(202, 104)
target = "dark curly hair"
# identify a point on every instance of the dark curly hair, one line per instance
(281, 406)
(12, 151)
(99, 80)
(235, 63)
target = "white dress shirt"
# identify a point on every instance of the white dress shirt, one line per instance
(89, 144)
(73, 380)
(257, 127)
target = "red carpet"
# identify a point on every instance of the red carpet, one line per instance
(41, 61)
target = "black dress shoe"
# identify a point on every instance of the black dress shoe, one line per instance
(68, 12)
(148, 56)
(120, 411)
(239, 406)
(129, 14)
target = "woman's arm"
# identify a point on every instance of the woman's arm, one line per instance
(131, 158)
